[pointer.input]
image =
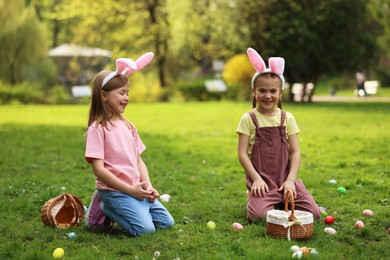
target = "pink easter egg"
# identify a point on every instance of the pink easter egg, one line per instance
(388, 230)
(368, 213)
(237, 226)
(359, 224)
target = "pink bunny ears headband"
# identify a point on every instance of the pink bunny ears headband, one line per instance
(276, 66)
(127, 66)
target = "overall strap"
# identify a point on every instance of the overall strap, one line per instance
(282, 127)
(254, 119)
(282, 118)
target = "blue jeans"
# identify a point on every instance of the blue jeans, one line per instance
(137, 217)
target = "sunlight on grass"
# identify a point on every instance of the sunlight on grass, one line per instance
(191, 155)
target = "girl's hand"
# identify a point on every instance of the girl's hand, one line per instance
(139, 192)
(154, 194)
(288, 185)
(259, 188)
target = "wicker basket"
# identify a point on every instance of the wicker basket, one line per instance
(294, 224)
(63, 211)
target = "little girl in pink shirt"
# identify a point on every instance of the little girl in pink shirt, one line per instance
(113, 147)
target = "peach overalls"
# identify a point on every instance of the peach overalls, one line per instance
(270, 157)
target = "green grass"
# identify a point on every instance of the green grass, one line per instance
(191, 155)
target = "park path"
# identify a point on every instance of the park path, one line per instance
(350, 99)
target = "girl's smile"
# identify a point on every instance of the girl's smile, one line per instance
(117, 100)
(267, 92)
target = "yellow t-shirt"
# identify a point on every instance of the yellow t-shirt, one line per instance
(247, 127)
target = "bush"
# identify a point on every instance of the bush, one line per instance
(238, 69)
(58, 95)
(238, 73)
(195, 90)
(24, 93)
(28, 93)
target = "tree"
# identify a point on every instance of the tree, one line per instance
(317, 38)
(22, 40)
(380, 10)
(203, 31)
(158, 24)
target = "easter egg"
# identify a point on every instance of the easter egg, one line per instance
(329, 220)
(165, 198)
(305, 250)
(72, 235)
(211, 225)
(85, 209)
(237, 226)
(359, 224)
(329, 231)
(341, 190)
(58, 253)
(313, 251)
(323, 213)
(298, 254)
(368, 213)
(294, 248)
(388, 230)
(333, 182)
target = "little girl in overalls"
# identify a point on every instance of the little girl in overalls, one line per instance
(268, 146)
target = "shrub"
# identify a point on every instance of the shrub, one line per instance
(58, 95)
(237, 73)
(24, 93)
(238, 70)
(195, 90)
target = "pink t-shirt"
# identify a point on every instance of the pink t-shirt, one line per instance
(119, 147)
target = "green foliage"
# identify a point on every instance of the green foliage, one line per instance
(380, 9)
(22, 40)
(192, 155)
(25, 93)
(58, 95)
(32, 93)
(195, 90)
(315, 38)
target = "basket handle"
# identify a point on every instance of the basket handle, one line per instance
(289, 195)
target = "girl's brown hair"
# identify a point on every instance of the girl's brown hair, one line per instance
(99, 111)
(268, 76)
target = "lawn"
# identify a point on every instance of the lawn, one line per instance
(191, 155)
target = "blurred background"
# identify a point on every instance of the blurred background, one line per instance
(50, 50)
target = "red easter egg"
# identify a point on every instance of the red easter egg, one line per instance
(368, 213)
(237, 226)
(359, 224)
(329, 220)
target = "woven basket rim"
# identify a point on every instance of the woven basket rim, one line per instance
(281, 217)
(47, 210)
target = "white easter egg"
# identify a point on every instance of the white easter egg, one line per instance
(330, 231)
(294, 248)
(165, 198)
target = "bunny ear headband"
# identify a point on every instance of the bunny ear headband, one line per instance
(276, 66)
(127, 66)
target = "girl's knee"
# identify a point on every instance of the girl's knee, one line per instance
(168, 223)
(317, 213)
(254, 215)
(142, 230)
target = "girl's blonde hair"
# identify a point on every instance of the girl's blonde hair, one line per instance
(268, 76)
(99, 111)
